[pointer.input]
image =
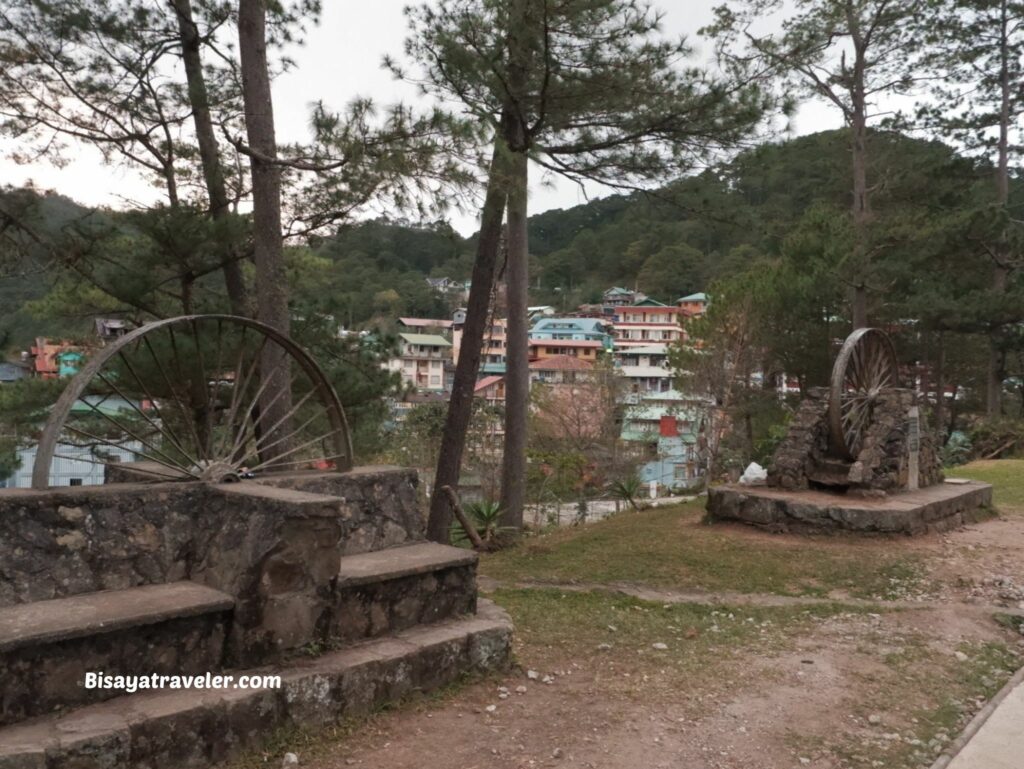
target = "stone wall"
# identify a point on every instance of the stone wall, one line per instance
(275, 545)
(803, 458)
(805, 444)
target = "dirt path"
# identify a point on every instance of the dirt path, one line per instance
(835, 689)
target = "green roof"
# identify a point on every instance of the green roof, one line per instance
(648, 302)
(700, 296)
(426, 340)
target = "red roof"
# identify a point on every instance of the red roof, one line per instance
(561, 363)
(486, 382)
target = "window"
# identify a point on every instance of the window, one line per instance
(75, 482)
(435, 380)
(681, 472)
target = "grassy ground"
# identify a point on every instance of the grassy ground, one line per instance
(1005, 475)
(670, 547)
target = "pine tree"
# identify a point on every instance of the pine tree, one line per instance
(586, 89)
(975, 51)
(849, 53)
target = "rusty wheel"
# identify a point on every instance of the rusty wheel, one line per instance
(182, 398)
(865, 366)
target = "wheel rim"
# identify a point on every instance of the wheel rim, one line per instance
(184, 399)
(866, 365)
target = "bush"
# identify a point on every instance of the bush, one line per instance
(997, 438)
(957, 450)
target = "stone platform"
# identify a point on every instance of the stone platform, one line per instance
(934, 508)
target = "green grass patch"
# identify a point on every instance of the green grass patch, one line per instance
(670, 547)
(1006, 477)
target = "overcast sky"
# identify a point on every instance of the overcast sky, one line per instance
(341, 60)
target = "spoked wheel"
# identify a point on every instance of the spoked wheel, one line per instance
(199, 397)
(866, 365)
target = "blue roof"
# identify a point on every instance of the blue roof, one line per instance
(700, 296)
(585, 325)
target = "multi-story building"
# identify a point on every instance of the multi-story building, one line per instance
(560, 369)
(617, 296)
(572, 329)
(693, 305)
(645, 367)
(492, 352)
(421, 361)
(647, 322)
(585, 349)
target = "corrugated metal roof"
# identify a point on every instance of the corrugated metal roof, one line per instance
(426, 340)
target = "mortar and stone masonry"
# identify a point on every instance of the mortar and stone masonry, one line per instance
(322, 578)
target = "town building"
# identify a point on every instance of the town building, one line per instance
(12, 372)
(574, 329)
(491, 389)
(493, 348)
(426, 326)
(645, 367)
(668, 426)
(55, 361)
(646, 322)
(560, 370)
(584, 349)
(693, 305)
(617, 296)
(421, 360)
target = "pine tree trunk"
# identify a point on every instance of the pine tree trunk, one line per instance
(861, 212)
(517, 370)
(268, 244)
(209, 152)
(1000, 272)
(460, 406)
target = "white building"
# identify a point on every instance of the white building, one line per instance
(421, 361)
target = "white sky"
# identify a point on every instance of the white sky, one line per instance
(341, 60)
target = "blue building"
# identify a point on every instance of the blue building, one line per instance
(573, 329)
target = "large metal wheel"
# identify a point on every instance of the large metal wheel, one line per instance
(189, 398)
(866, 365)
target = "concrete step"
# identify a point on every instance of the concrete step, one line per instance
(397, 588)
(199, 728)
(47, 647)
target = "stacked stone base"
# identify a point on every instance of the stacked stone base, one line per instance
(936, 508)
(805, 460)
(200, 728)
(324, 579)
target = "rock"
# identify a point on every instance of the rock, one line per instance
(804, 760)
(533, 675)
(521, 690)
(548, 680)
(659, 646)
(604, 647)
(874, 719)
(290, 759)
(556, 753)
(491, 708)
(961, 657)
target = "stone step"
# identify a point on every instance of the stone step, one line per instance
(199, 728)
(397, 588)
(47, 647)
(831, 472)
